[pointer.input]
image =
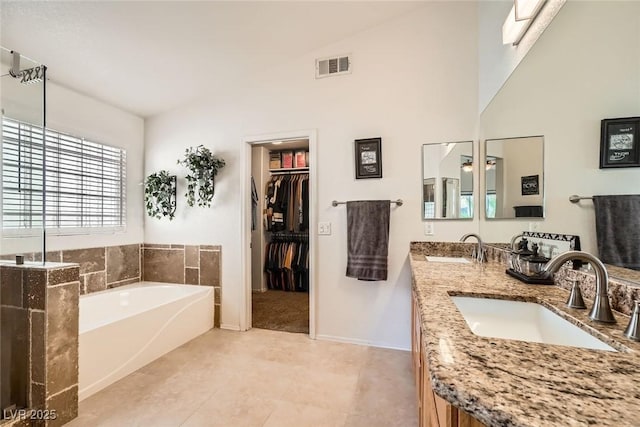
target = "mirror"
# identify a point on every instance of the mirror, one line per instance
(447, 180)
(514, 178)
(563, 89)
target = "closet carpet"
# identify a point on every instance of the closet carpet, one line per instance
(281, 311)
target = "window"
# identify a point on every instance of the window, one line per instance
(490, 202)
(85, 185)
(466, 205)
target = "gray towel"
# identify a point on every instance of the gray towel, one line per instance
(618, 230)
(368, 239)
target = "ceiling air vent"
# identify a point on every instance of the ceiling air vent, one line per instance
(333, 66)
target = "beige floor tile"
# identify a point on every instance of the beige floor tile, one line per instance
(288, 414)
(380, 421)
(232, 409)
(323, 389)
(236, 379)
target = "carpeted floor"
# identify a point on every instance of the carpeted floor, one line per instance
(281, 311)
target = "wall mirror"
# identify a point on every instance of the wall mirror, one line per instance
(514, 178)
(556, 91)
(447, 180)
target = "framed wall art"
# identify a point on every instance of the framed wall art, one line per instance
(619, 143)
(530, 185)
(368, 156)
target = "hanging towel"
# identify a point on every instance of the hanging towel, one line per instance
(618, 229)
(368, 239)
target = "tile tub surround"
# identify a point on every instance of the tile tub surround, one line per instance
(514, 383)
(50, 296)
(100, 267)
(186, 264)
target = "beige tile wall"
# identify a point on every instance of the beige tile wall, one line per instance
(42, 304)
(103, 267)
(108, 267)
(188, 264)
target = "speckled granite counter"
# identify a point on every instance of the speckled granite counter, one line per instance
(514, 383)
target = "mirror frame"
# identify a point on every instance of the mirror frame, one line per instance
(473, 186)
(483, 182)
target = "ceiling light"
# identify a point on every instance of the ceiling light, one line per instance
(277, 142)
(527, 9)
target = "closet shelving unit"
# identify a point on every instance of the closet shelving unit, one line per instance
(288, 170)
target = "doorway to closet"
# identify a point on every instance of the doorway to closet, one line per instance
(280, 254)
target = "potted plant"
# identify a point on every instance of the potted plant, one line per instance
(160, 194)
(203, 166)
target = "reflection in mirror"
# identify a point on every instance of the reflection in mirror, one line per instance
(514, 178)
(559, 91)
(447, 180)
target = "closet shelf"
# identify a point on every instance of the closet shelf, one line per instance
(284, 170)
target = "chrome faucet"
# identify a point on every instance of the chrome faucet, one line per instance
(512, 245)
(601, 310)
(478, 253)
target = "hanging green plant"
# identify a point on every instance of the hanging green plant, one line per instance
(160, 195)
(203, 167)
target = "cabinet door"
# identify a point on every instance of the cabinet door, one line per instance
(416, 342)
(466, 420)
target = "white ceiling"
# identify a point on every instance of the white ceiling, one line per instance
(151, 57)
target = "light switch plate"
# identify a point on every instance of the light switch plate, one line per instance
(324, 228)
(428, 229)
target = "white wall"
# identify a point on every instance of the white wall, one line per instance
(70, 112)
(414, 81)
(584, 68)
(496, 60)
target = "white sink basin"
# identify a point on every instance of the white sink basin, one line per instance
(523, 321)
(458, 260)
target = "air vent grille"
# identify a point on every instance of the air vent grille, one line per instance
(333, 66)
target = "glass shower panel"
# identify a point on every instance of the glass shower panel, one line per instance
(22, 103)
(23, 118)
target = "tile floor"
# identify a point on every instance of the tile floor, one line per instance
(261, 378)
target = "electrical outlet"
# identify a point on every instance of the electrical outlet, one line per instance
(428, 229)
(324, 228)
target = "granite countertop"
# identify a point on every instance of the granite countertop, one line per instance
(515, 383)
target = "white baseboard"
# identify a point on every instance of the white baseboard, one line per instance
(360, 342)
(230, 327)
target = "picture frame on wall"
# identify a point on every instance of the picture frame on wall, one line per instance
(620, 143)
(368, 157)
(530, 185)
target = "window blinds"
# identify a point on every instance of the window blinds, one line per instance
(85, 182)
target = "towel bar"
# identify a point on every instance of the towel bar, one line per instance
(398, 202)
(575, 198)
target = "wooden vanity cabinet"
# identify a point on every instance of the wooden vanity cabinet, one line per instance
(433, 411)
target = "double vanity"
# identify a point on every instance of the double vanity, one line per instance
(491, 350)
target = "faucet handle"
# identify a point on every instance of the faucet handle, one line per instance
(633, 329)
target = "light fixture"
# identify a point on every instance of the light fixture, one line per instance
(277, 142)
(467, 166)
(519, 19)
(491, 164)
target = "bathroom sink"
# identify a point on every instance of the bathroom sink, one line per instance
(454, 259)
(523, 321)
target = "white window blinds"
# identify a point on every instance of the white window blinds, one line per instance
(85, 185)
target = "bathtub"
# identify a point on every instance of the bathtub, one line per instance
(124, 328)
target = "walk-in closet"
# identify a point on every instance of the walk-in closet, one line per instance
(280, 236)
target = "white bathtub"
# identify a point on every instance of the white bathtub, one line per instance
(124, 328)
